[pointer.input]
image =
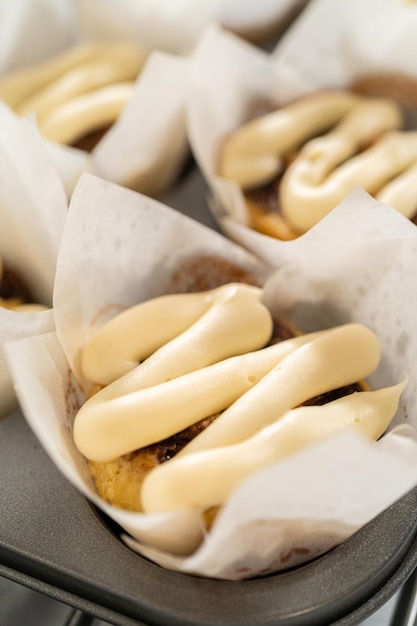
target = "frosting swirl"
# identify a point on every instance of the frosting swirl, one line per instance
(203, 355)
(178, 483)
(176, 335)
(361, 145)
(77, 92)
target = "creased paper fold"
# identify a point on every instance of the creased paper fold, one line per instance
(33, 208)
(361, 38)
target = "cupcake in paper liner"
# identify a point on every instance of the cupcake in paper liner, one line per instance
(32, 213)
(107, 108)
(276, 162)
(184, 277)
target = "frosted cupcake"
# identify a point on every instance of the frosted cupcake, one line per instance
(132, 253)
(279, 150)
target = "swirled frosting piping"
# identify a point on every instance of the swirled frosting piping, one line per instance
(362, 147)
(77, 92)
(156, 343)
(206, 479)
(203, 354)
(252, 155)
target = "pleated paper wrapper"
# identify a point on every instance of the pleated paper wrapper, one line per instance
(33, 208)
(120, 248)
(231, 80)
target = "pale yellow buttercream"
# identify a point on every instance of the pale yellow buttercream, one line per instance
(173, 335)
(338, 357)
(72, 120)
(206, 479)
(360, 149)
(109, 424)
(23, 83)
(198, 362)
(115, 63)
(312, 186)
(252, 155)
(78, 92)
(177, 334)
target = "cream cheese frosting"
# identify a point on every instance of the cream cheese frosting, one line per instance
(252, 155)
(338, 357)
(312, 186)
(177, 334)
(361, 146)
(77, 92)
(109, 425)
(170, 362)
(206, 479)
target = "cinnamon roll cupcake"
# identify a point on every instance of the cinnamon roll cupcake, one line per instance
(77, 95)
(195, 391)
(298, 163)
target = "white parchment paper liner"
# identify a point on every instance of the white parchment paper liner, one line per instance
(119, 248)
(146, 147)
(32, 213)
(361, 37)
(229, 78)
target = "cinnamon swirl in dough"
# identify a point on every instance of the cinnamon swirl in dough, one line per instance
(296, 164)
